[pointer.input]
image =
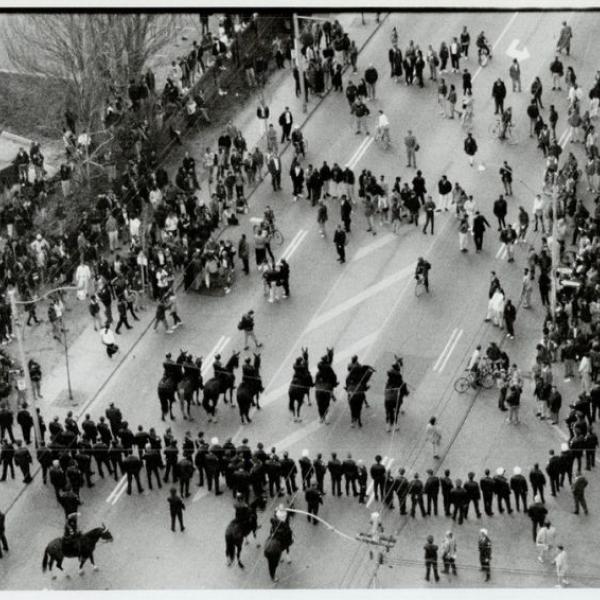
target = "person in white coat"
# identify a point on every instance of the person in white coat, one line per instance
(545, 541)
(83, 278)
(562, 566)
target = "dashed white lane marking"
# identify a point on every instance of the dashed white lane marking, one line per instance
(293, 245)
(450, 351)
(384, 240)
(445, 350)
(360, 297)
(353, 159)
(360, 154)
(120, 484)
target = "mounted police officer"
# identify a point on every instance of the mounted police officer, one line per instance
(72, 535)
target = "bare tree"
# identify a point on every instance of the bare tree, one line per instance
(94, 53)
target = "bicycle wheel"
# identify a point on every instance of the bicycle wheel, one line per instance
(277, 237)
(487, 380)
(493, 130)
(462, 384)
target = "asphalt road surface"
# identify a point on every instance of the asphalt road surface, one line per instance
(365, 307)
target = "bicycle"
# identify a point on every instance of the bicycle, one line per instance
(471, 379)
(273, 234)
(495, 130)
(382, 138)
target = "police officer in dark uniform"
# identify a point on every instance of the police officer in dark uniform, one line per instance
(473, 495)
(171, 369)
(432, 490)
(537, 479)
(320, 469)
(401, 486)
(199, 459)
(104, 431)
(58, 479)
(84, 462)
(176, 508)
(74, 476)
(44, 456)
(415, 491)
(362, 478)
(537, 513)
(306, 469)
(115, 418)
(257, 476)
(69, 500)
(100, 450)
(171, 453)
(288, 472)
(132, 465)
(313, 497)
(447, 484)
(519, 487)
(242, 480)
(273, 470)
(502, 491)
(185, 471)
(378, 476)
(350, 471)
(487, 486)
(553, 468)
(335, 472)
(115, 456)
(460, 501)
(151, 457)
(25, 420)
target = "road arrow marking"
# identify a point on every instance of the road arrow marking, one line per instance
(514, 52)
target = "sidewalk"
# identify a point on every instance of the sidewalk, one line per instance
(90, 368)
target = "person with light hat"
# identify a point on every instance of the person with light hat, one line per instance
(502, 490)
(485, 552)
(518, 484)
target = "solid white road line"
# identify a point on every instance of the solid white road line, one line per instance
(443, 353)
(384, 240)
(117, 488)
(443, 365)
(122, 487)
(351, 161)
(360, 297)
(362, 152)
(292, 243)
(501, 251)
(297, 245)
(560, 432)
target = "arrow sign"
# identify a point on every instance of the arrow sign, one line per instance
(514, 52)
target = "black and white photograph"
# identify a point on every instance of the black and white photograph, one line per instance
(298, 296)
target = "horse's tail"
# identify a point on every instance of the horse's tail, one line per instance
(229, 546)
(45, 561)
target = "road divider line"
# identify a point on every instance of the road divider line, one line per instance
(560, 432)
(201, 493)
(501, 250)
(121, 491)
(365, 147)
(360, 297)
(443, 365)
(297, 245)
(443, 353)
(352, 159)
(384, 240)
(117, 487)
(292, 243)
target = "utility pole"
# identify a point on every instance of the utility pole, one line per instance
(299, 63)
(17, 324)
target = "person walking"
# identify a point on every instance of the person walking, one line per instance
(473, 495)
(536, 92)
(449, 552)
(246, 325)
(562, 567)
(564, 39)
(514, 72)
(577, 488)
(371, 76)
(23, 460)
(132, 465)
(339, 239)
(313, 499)
(432, 490)
(499, 94)
(429, 208)
(433, 434)
(470, 147)
(485, 553)
(506, 176)
(445, 194)
(487, 486)
(537, 513)
(346, 212)
(431, 559)
(274, 167)
(510, 316)
(286, 121)
(412, 147)
(519, 487)
(480, 223)
(537, 479)
(545, 541)
(176, 508)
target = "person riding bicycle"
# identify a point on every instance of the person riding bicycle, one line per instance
(269, 219)
(383, 126)
(505, 122)
(298, 140)
(483, 46)
(71, 535)
(473, 365)
(422, 272)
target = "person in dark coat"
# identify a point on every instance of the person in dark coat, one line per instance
(69, 500)
(335, 468)
(415, 491)
(3, 542)
(537, 479)
(288, 472)
(58, 479)
(339, 239)
(447, 485)
(485, 553)
(100, 451)
(432, 490)
(211, 466)
(519, 487)
(537, 513)
(473, 495)
(460, 501)
(44, 456)
(499, 94)
(395, 60)
(431, 559)
(502, 491)
(23, 460)
(176, 508)
(378, 476)
(350, 472)
(185, 472)
(115, 456)
(153, 461)
(401, 486)
(567, 457)
(553, 469)
(486, 484)
(132, 465)
(345, 213)
(313, 498)
(25, 420)
(362, 478)
(480, 223)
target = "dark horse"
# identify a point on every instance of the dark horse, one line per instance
(356, 386)
(395, 392)
(300, 386)
(279, 541)
(87, 545)
(222, 384)
(325, 382)
(167, 386)
(237, 531)
(249, 390)
(190, 383)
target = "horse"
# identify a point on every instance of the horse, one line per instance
(236, 532)
(395, 392)
(356, 386)
(190, 384)
(87, 544)
(300, 386)
(279, 541)
(216, 386)
(248, 392)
